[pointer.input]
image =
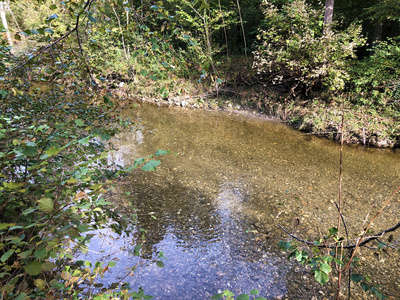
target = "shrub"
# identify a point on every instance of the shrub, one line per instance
(295, 52)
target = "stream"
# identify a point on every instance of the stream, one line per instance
(212, 209)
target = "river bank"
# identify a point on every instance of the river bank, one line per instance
(363, 125)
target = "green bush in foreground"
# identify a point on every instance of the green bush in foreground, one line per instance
(53, 179)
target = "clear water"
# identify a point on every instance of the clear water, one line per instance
(213, 209)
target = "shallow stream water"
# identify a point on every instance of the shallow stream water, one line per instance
(213, 208)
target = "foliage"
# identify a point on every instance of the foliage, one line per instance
(295, 52)
(323, 258)
(375, 80)
(228, 295)
(53, 189)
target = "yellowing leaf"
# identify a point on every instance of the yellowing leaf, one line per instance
(72, 180)
(6, 225)
(40, 283)
(12, 185)
(46, 204)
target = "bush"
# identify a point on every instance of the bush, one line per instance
(295, 52)
(376, 79)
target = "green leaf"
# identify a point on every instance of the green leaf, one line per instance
(136, 250)
(325, 268)
(105, 137)
(299, 256)
(6, 255)
(112, 264)
(49, 30)
(243, 297)
(285, 245)
(52, 151)
(161, 152)
(22, 296)
(151, 165)
(84, 141)
(228, 293)
(91, 18)
(321, 277)
(138, 162)
(153, 77)
(356, 277)
(48, 266)
(217, 296)
(53, 7)
(260, 298)
(333, 231)
(160, 264)
(79, 122)
(41, 253)
(3, 93)
(144, 73)
(33, 268)
(254, 292)
(46, 204)
(29, 151)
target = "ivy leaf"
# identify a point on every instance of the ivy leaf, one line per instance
(151, 165)
(243, 297)
(161, 152)
(33, 268)
(254, 292)
(356, 277)
(217, 296)
(46, 204)
(138, 162)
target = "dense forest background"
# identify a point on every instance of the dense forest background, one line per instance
(67, 65)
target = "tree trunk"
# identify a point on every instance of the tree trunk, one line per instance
(328, 13)
(3, 6)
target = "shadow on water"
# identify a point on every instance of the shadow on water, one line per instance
(212, 209)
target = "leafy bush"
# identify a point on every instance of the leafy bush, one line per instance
(295, 52)
(53, 181)
(375, 79)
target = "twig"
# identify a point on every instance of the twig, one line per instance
(365, 240)
(56, 41)
(360, 243)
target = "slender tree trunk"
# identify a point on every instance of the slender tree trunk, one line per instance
(223, 24)
(244, 34)
(3, 6)
(328, 14)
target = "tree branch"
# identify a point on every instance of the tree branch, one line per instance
(56, 41)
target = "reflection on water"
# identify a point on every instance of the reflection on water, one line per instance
(212, 209)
